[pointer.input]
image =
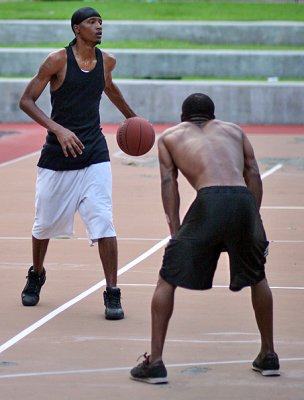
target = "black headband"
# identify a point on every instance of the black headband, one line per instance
(82, 14)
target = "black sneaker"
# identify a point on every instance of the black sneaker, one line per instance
(31, 291)
(268, 366)
(112, 303)
(150, 373)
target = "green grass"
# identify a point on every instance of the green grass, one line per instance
(174, 10)
(162, 45)
(196, 10)
(186, 78)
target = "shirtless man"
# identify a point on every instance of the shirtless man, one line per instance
(218, 160)
(74, 171)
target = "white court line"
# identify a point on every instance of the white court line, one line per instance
(6, 163)
(118, 369)
(215, 286)
(271, 171)
(287, 241)
(271, 287)
(283, 207)
(134, 239)
(76, 299)
(94, 288)
(137, 239)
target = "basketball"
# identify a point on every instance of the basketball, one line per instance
(135, 136)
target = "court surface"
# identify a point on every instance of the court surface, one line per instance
(65, 349)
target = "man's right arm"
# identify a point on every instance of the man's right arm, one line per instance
(251, 171)
(169, 187)
(67, 139)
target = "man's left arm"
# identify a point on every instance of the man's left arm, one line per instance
(251, 172)
(116, 97)
(112, 90)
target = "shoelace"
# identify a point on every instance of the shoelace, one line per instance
(113, 300)
(33, 282)
(146, 358)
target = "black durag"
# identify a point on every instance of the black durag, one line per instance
(80, 15)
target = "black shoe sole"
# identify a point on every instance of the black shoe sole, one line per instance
(267, 372)
(114, 317)
(152, 381)
(29, 304)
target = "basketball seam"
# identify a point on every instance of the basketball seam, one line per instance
(126, 137)
(140, 134)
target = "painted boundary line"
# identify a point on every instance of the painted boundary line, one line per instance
(271, 171)
(6, 163)
(131, 239)
(215, 286)
(78, 298)
(94, 288)
(118, 369)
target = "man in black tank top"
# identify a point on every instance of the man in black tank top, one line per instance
(75, 153)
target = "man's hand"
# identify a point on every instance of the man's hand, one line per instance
(69, 142)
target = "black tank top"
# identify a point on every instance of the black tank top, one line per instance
(75, 105)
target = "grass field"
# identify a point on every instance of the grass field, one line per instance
(160, 44)
(196, 10)
(189, 78)
(159, 10)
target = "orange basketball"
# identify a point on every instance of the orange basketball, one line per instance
(135, 136)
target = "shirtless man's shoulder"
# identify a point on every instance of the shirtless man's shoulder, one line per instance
(212, 125)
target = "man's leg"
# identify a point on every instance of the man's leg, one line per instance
(267, 361)
(109, 258)
(39, 249)
(263, 307)
(36, 275)
(152, 369)
(161, 310)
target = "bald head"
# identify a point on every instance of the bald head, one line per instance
(197, 105)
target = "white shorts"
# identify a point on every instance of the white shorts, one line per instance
(59, 194)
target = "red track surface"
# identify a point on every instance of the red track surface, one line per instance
(18, 140)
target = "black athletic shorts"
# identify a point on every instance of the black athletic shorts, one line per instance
(220, 218)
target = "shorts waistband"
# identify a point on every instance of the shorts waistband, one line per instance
(223, 189)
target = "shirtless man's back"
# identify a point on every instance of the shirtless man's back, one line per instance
(207, 153)
(218, 160)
